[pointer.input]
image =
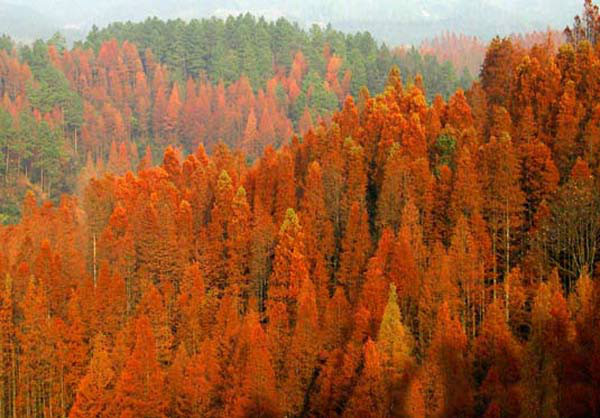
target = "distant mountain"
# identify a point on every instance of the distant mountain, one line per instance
(24, 23)
(395, 22)
(402, 22)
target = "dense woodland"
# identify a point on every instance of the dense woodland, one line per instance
(245, 82)
(398, 259)
(259, 49)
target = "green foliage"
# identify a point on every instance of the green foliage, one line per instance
(213, 49)
(52, 90)
(32, 148)
(438, 78)
(246, 45)
(466, 79)
(6, 130)
(315, 96)
(48, 149)
(445, 145)
(9, 212)
(6, 43)
(59, 41)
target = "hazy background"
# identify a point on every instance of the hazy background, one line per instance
(393, 21)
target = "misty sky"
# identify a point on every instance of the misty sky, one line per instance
(393, 21)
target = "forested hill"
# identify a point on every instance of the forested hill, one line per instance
(259, 49)
(400, 259)
(243, 81)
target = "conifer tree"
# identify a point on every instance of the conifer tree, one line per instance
(95, 390)
(368, 398)
(139, 390)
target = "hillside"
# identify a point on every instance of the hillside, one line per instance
(226, 257)
(67, 113)
(402, 258)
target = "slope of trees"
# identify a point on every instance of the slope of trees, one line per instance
(66, 115)
(400, 259)
(259, 49)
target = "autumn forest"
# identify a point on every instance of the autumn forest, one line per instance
(245, 219)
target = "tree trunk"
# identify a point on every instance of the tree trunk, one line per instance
(494, 267)
(14, 381)
(94, 267)
(6, 169)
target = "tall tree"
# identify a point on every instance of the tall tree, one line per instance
(447, 361)
(395, 345)
(368, 398)
(95, 390)
(140, 388)
(502, 201)
(355, 249)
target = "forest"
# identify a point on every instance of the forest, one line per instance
(220, 256)
(245, 82)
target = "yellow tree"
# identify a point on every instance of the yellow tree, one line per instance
(395, 345)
